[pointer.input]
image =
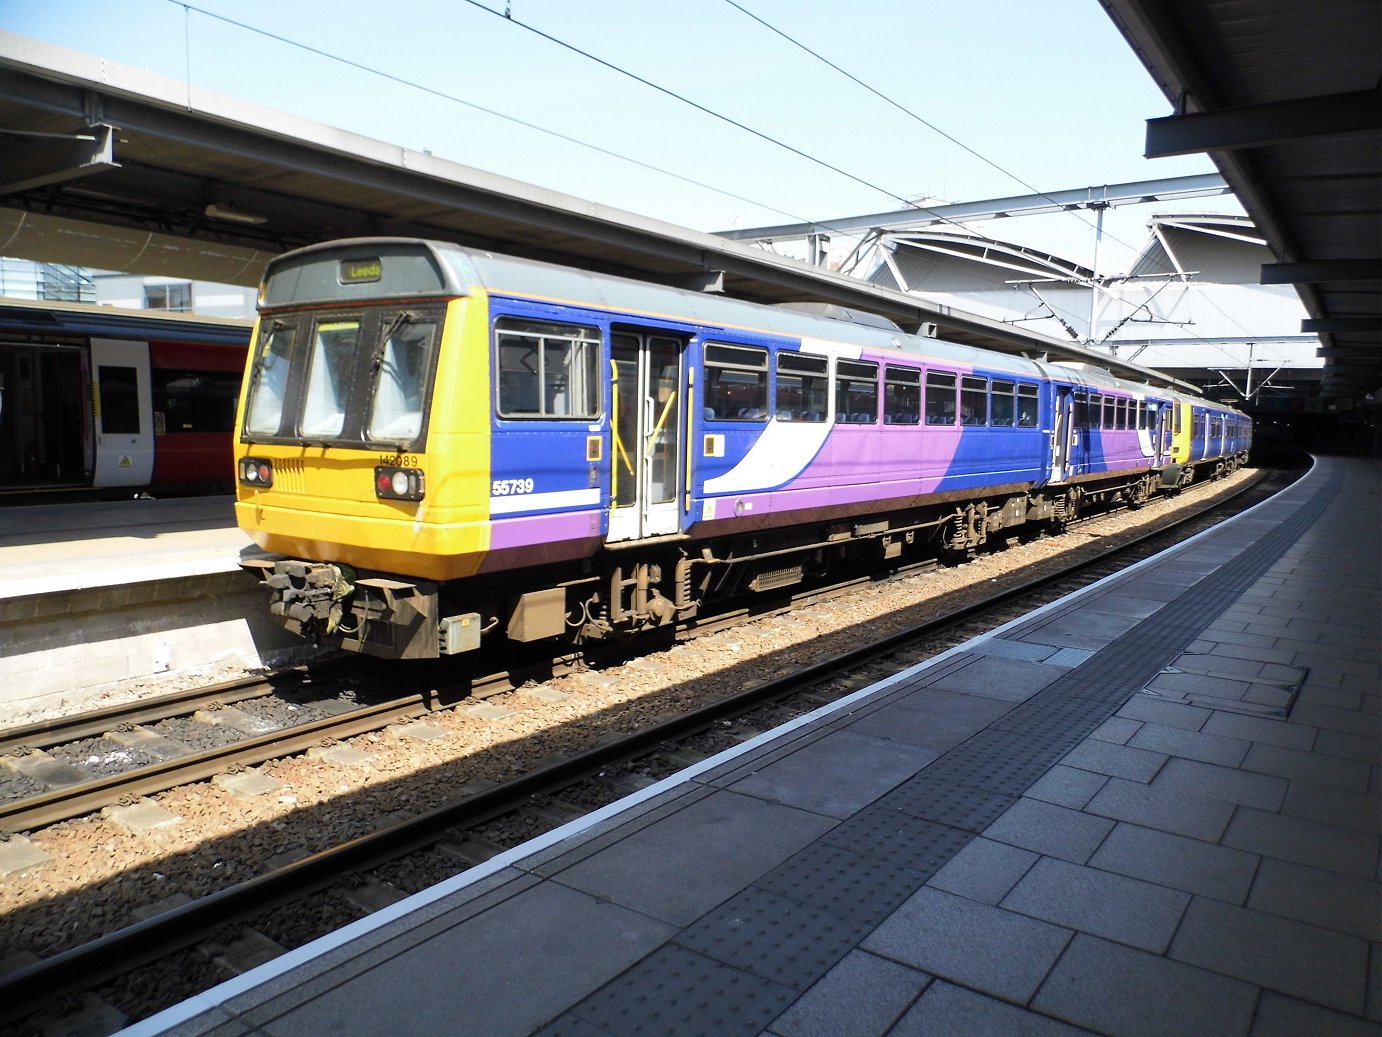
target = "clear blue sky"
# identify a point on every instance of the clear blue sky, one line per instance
(1048, 91)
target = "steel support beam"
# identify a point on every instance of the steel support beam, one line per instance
(29, 160)
(1342, 325)
(1255, 125)
(1317, 271)
(1198, 185)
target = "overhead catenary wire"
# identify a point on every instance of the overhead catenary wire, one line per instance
(507, 16)
(443, 95)
(911, 114)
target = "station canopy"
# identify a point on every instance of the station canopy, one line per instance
(111, 167)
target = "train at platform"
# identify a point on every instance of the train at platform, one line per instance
(108, 402)
(443, 447)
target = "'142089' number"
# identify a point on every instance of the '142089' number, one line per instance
(508, 487)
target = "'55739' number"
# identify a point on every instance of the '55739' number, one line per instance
(508, 487)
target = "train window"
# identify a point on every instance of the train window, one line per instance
(194, 401)
(402, 367)
(940, 398)
(268, 380)
(1139, 417)
(1002, 409)
(1028, 410)
(901, 395)
(1120, 413)
(974, 400)
(736, 383)
(1110, 407)
(119, 390)
(856, 392)
(330, 371)
(1096, 411)
(547, 370)
(803, 388)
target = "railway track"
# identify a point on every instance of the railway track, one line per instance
(472, 827)
(60, 788)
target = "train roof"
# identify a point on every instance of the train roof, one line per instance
(50, 317)
(316, 274)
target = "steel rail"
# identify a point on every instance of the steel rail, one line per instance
(97, 722)
(62, 804)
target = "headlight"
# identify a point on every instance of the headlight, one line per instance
(398, 483)
(257, 472)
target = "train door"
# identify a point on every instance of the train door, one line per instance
(647, 453)
(123, 413)
(1161, 434)
(1061, 436)
(1067, 455)
(43, 426)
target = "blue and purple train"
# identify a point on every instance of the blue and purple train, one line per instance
(448, 446)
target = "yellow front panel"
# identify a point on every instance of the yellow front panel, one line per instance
(1180, 440)
(322, 505)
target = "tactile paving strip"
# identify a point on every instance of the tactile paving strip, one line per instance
(890, 835)
(774, 937)
(841, 881)
(785, 929)
(935, 799)
(675, 992)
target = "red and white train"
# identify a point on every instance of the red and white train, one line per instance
(119, 401)
(116, 401)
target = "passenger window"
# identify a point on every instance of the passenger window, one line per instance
(974, 400)
(194, 401)
(119, 389)
(1028, 408)
(402, 368)
(1002, 407)
(1096, 410)
(547, 370)
(901, 396)
(330, 372)
(268, 381)
(736, 383)
(1120, 413)
(856, 392)
(803, 387)
(940, 398)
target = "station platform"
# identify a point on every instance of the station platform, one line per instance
(47, 548)
(1149, 808)
(112, 598)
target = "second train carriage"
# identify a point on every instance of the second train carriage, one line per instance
(446, 443)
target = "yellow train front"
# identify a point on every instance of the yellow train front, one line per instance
(344, 463)
(1208, 440)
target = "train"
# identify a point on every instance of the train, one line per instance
(440, 447)
(111, 402)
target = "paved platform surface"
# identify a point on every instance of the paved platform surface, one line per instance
(46, 548)
(1151, 808)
